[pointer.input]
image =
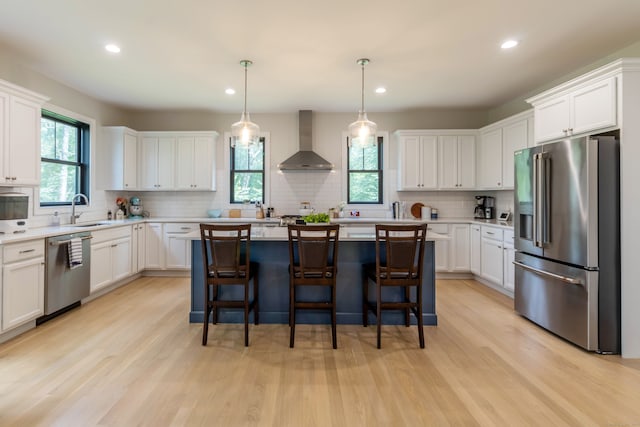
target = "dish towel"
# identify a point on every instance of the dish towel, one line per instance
(75, 253)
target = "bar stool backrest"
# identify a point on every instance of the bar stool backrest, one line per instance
(226, 250)
(399, 252)
(313, 250)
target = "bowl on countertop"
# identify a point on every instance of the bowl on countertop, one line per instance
(214, 213)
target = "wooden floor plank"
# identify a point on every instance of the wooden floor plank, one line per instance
(131, 358)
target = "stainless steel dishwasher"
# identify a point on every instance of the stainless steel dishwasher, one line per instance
(64, 287)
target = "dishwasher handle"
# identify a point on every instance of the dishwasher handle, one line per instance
(64, 242)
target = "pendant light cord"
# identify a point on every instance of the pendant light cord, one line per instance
(244, 110)
(362, 106)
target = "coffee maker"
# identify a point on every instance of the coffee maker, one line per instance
(484, 208)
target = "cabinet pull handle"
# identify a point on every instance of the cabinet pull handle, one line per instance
(26, 251)
(185, 228)
(490, 232)
(113, 246)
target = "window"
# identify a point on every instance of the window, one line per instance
(248, 173)
(364, 177)
(64, 159)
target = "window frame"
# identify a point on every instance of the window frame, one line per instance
(379, 172)
(83, 163)
(381, 208)
(266, 169)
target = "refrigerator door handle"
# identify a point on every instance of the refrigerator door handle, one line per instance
(569, 280)
(537, 211)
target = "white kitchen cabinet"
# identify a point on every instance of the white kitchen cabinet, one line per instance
(157, 162)
(138, 246)
(475, 250)
(154, 246)
(118, 165)
(195, 163)
(417, 161)
(20, 112)
(22, 283)
(589, 105)
(451, 255)
(111, 256)
(457, 162)
(178, 250)
(498, 142)
(509, 256)
(491, 262)
(490, 159)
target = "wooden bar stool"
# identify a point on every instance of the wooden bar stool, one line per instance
(399, 257)
(313, 256)
(226, 262)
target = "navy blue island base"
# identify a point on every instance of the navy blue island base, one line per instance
(273, 256)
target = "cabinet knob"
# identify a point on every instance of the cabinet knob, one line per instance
(13, 178)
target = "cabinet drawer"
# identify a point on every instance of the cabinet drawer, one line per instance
(185, 227)
(492, 233)
(26, 250)
(438, 228)
(100, 236)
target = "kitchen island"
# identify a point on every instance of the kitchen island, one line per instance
(269, 247)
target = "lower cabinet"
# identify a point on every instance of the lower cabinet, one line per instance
(138, 249)
(110, 256)
(178, 249)
(154, 246)
(497, 255)
(452, 255)
(22, 283)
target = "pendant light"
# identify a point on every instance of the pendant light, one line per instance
(362, 131)
(245, 132)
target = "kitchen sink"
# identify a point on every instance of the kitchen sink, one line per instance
(92, 224)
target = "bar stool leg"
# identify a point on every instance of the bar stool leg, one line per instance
(333, 317)
(292, 316)
(365, 298)
(379, 312)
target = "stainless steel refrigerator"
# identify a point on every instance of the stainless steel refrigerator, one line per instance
(567, 239)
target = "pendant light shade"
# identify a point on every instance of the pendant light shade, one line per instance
(363, 131)
(245, 132)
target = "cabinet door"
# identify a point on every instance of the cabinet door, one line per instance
(594, 106)
(149, 162)
(509, 269)
(475, 249)
(4, 135)
(459, 251)
(429, 165)
(552, 119)
(130, 161)
(24, 142)
(491, 261)
(514, 137)
(467, 162)
(203, 163)
(178, 251)
(448, 164)
(121, 258)
(185, 163)
(138, 248)
(166, 163)
(22, 292)
(154, 246)
(442, 255)
(490, 160)
(101, 271)
(409, 164)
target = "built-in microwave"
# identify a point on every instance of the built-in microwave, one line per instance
(14, 212)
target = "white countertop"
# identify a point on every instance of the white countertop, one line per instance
(44, 232)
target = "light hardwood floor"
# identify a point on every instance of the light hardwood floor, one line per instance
(131, 358)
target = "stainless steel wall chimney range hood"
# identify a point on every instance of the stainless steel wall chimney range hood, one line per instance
(305, 159)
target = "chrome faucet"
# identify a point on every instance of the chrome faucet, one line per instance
(73, 206)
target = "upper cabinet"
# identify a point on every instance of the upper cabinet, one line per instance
(496, 147)
(417, 161)
(585, 104)
(195, 163)
(457, 162)
(20, 112)
(436, 159)
(157, 161)
(119, 159)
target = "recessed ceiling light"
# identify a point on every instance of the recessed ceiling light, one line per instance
(509, 44)
(381, 89)
(230, 91)
(112, 48)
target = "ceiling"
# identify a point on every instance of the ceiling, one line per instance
(428, 54)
